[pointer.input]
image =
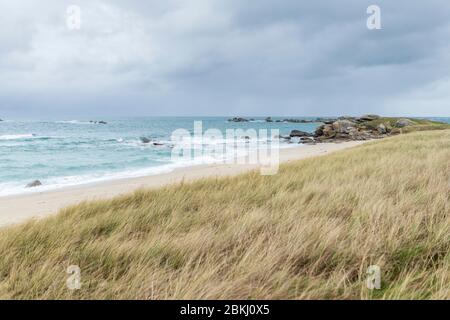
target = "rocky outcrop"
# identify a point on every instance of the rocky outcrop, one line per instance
(353, 128)
(35, 183)
(146, 140)
(316, 120)
(343, 126)
(98, 122)
(299, 133)
(382, 129)
(238, 119)
(328, 131)
(286, 120)
(326, 120)
(403, 123)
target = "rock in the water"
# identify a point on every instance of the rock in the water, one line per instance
(269, 119)
(282, 137)
(298, 133)
(238, 119)
(297, 121)
(325, 120)
(98, 122)
(346, 118)
(343, 126)
(145, 140)
(35, 183)
(403, 123)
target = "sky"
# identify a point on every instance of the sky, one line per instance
(227, 57)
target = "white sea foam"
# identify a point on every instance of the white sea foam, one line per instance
(14, 188)
(7, 189)
(74, 122)
(17, 136)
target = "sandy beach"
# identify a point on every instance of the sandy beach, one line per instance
(19, 208)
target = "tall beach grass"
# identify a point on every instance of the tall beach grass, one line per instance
(309, 232)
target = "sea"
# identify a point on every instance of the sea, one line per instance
(61, 153)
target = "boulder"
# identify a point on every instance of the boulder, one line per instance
(343, 126)
(35, 183)
(328, 131)
(356, 134)
(403, 123)
(353, 133)
(298, 133)
(319, 131)
(269, 119)
(306, 140)
(145, 140)
(382, 129)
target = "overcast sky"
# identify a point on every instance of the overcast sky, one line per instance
(227, 57)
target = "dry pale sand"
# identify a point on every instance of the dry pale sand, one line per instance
(19, 208)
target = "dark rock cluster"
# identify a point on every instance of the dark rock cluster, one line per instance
(98, 122)
(366, 127)
(238, 119)
(35, 183)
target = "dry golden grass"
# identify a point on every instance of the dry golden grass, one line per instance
(308, 232)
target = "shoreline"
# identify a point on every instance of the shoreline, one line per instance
(22, 207)
(115, 176)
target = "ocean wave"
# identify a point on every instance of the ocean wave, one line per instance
(74, 122)
(17, 136)
(12, 188)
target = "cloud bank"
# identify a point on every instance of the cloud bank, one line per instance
(211, 57)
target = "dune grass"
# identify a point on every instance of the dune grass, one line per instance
(309, 232)
(416, 124)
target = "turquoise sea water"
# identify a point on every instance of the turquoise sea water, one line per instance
(71, 152)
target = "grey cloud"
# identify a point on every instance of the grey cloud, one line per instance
(210, 57)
